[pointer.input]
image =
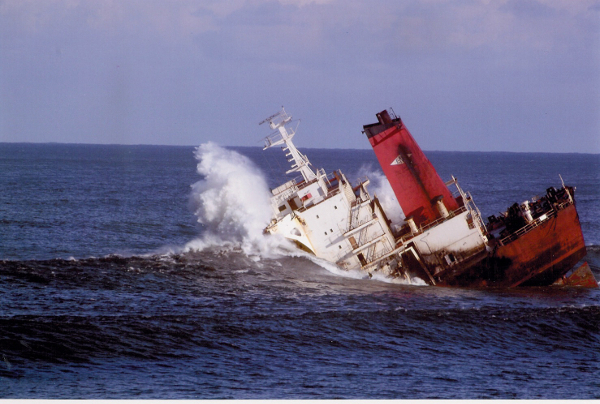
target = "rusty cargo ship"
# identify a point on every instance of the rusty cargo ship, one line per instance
(443, 240)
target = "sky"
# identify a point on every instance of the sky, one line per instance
(464, 75)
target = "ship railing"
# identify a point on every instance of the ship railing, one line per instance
(297, 183)
(456, 194)
(284, 195)
(377, 256)
(458, 191)
(327, 178)
(451, 214)
(276, 138)
(368, 243)
(563, 205)
(273, 139)
(527, 228)
(331, 180)
(467, 199)
(283, 187)
(381, 255)
(358, 224)
(475, 213)
(331, 192)
(279, 117)
(303, 184)
(331, 176)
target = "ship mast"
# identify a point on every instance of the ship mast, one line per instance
(284, 136)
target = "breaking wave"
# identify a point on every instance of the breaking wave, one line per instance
(232, 203)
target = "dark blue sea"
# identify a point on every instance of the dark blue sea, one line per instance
(141, 272)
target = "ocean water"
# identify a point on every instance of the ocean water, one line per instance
(142, 272)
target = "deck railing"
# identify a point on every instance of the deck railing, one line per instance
(530, 226)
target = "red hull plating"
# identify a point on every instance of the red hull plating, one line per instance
(536, 258)
(546, 253)
(581, 277)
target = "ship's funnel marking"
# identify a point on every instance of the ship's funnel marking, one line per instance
(397, 161)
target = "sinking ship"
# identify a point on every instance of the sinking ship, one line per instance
(443, 240)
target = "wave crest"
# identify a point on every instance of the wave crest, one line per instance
(232, 202)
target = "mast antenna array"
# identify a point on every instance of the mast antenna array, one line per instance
(283, 136)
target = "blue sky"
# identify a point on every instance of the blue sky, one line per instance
(468, 75)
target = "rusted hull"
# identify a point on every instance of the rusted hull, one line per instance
(537, 258)
(534, 243)
(581, 277)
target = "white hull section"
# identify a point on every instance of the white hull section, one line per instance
(327, 216)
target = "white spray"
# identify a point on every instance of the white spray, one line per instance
(231, 202)
(381, 187)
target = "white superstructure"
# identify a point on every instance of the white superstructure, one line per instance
(327, 216)
(323, 213)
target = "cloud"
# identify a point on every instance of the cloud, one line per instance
(141, 70)
(305, 25)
